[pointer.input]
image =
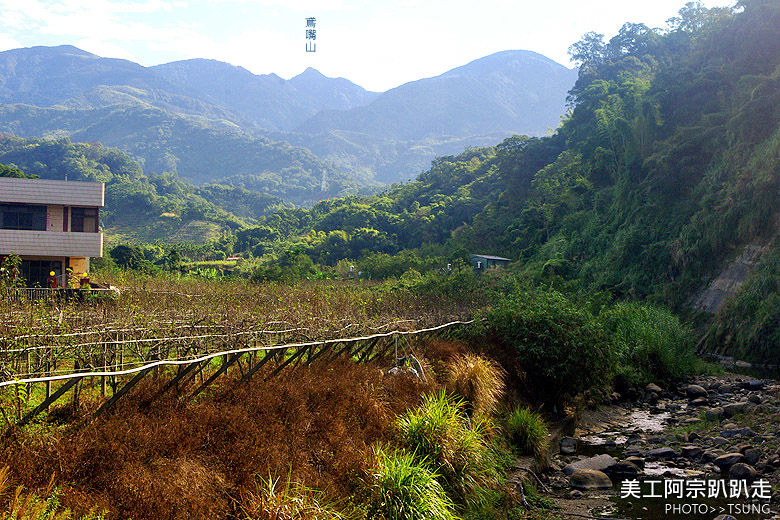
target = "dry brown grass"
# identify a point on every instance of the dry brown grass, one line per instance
(178, 459)
(478, 380)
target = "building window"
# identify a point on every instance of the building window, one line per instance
(36, 272)
(84, 220)
(23, 216)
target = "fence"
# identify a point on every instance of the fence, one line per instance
(27, 362)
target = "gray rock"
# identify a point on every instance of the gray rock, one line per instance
(725, 388)
(755, 399)
(700, 401)
(752, 456)
(652, 387)
(711, 455)
(661, 454)
(636, 461)
(714, 414)
(753, 384)
(724, 462)
(719, 441)
(589, 479)
(691, 452)
(694, 391)
(732, 409)
(624, 469)
(742, 471)
(599, 462)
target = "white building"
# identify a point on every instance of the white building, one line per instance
(51, 225)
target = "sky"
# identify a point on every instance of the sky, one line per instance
(378, 44)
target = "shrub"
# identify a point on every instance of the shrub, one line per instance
(527, 432)
(438, 433)
(652, 344)
(478, 380)
(562, 349)
(404, 488)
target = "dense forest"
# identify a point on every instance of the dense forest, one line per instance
(665, 167)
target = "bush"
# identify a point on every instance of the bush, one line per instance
(404, 488)
(438, 433)
(562, 349)
(527, 432)
(652, 345)
(478, 380)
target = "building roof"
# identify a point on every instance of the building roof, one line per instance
(489, 257)
(45, 191)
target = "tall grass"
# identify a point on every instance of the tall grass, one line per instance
(527, 432)
(478, 380)
(403, 487)
(651, 343)
(439, 433)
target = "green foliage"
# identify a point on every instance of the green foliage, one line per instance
(14, 172)
(402, 487)
(749, 323)
(527, 432)
(652, 345)
(562, 349)
(439, 434)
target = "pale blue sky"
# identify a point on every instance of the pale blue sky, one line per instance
(378, 45)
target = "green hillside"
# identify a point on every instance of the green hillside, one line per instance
(668, 164)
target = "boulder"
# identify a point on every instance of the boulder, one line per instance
(719, 441)
(724, 462)
(732, 409)
(624, 469)
(652, 387)
(589, 479)
(742, 471)
(711, 455)
(714, 414)
(661, 454)
(695, 391)
(636, 461)
(599, 462)
(752, 456)
(691, 452)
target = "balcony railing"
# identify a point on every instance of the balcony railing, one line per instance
(51, 243)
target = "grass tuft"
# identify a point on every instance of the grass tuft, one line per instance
(478, 380)
(527, 432)
(403, 487)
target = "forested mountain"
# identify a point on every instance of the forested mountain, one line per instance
(668, 166)
(210, 121)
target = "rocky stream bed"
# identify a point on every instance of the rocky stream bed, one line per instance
(706, 450)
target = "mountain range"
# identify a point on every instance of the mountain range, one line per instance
(303, 139)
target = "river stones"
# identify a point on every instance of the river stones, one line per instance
(724, 462)
(652, 387)
(734, 432)
(661, 454)
(599, 462)
(695, 391)
(714, 414)
(589, 479)
(742, 471)
(719, 441)
(639, 462)
(711, 455)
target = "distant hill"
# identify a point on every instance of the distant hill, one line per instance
(269, 100)
(510, 92)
